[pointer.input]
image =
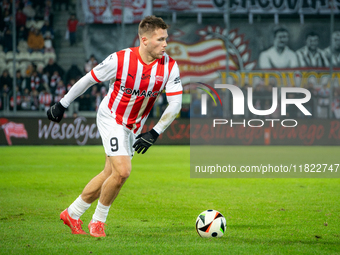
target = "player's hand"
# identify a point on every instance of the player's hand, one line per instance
(145, 140)
(56, 112)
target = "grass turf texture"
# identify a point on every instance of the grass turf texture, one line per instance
(156, 210)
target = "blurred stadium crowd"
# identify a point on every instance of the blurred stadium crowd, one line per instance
(41, 81)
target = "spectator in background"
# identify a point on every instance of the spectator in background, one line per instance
(36, 83)
(94, 97)
(8, 19)
(336, 104)
(74, 106)
(323, 101)
(21, 81)
(5, 82)
(55, 78)
(48, 44)
(20, 18)
(8, 41)
(6, 5)
(35, 40)
(73, 73)
(51, 67)
(26, 102)
(103, 91)
(47, 28)
(22, 34)
(39, 10)
(85, 101)
(45, 100)
(60, 91)
(72, 24)
(45, 78)
(29, 70)
(70, 84)
(35, 100)
(18, 99)
(90, 64)
(48, 12)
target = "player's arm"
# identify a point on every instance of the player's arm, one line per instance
(174, 97)
(170, 113)
(103, 72)
(145, 140)
(56, 112)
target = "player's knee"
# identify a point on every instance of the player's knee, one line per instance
(124, 173)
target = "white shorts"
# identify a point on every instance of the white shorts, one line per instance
(117, 139)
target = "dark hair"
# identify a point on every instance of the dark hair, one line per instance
(150, 24)
(279, 29)
(312, 34)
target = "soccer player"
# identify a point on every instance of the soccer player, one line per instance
(137, 77)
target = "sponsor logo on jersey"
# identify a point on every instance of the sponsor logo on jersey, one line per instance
(139, 93)
(177, 80)
(145, 76)
(159, 78)
(132, 76)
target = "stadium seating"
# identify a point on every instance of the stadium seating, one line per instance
(23, 66)
(9, 67)
(49, 55)
(3, 65)
(37, 57)
(25, 56)
(9, 56)
(22, 46)
(2, 55)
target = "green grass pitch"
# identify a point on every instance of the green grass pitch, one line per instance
(156, 210)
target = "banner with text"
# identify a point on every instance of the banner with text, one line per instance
(245, 7)
(83, 131)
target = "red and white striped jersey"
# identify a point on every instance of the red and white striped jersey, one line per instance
(135, 86)
(45, 99)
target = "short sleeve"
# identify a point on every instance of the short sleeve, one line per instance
(106, 70)
(174, 84)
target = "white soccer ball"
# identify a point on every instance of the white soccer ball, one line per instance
(211, 223)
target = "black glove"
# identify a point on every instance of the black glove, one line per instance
(56, 112)
(145, 140)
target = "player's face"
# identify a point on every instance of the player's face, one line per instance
(312, 42)
(157, 43)
(281, 39)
